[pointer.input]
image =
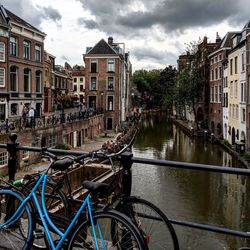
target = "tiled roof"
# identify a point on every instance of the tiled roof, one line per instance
(102, 47)
(16, 19)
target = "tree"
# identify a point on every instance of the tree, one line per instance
(190, 82)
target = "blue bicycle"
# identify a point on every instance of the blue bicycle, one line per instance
(88, 229)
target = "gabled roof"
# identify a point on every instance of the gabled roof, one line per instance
(16, 19)
(103, 48)
(3, 17)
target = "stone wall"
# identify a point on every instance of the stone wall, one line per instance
(71, 134)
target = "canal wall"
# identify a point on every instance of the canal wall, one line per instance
(190, 131)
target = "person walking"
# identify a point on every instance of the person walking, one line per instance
(32, 117)
(24, 115)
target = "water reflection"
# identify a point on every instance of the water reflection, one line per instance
(209, 198)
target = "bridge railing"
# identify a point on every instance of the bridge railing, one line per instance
(127, 159)
(21, 123)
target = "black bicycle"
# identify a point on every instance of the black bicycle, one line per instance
(157, 231)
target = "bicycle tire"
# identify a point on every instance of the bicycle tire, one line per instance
(18, 235)
(127, 235)
(156, 229)
(55, 197)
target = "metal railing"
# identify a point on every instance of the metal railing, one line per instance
(127, 159)
(22, 123)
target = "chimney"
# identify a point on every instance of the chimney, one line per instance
(218, 39)
(110, 40)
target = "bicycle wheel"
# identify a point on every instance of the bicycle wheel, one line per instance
(123, 236)
(56, 202)
(156, 229)
(19, 234)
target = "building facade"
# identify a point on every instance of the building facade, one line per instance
(107, 78)
(26, 62)
(4, 45)
(78, 76)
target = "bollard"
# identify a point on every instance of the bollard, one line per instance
(12, 161)
(126, 161)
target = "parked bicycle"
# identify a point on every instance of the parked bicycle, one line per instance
(102, 229)
(157, 231)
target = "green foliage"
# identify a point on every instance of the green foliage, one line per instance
(156, 86)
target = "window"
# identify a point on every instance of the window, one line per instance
(110, 103)
(226, 82)
(216, 93)
(215, 59)
(216, 74)
(211, 94)
(92, 83)
(81, 79)
(13, 78)
(231, 89)
(231, 66)
(219, 57)
(81, 88)
(38, 81)
(220, 93)
(235, 89)
(2, 77)
(51, 141)
(14, 109)
(212, 74)
(242, 62)
(26, 49)
(237, 111)
(235, 65)
(243, 115)
(13, 46)
(75, 79)
(226, 101)
(93, 66)
(27, 80)
(38, 53)
(3, 159)
(75, 88)
(110, 83)
(2, 52)
(212, 60)
(220, 72)
(111, 65)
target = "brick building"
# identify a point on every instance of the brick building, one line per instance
(107, 78)
(4, 41)
(216, 84)
(26, 46)
(49, 79)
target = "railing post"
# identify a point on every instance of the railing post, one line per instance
(126, 161)
(12, 161)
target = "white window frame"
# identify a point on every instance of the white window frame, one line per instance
(3, 159)
(26, 49)
(111, 66)
(90, 83)
(29, 81)
(2, 52)
(94, 61)
(2, 77)
(16, 83)
(38, 53)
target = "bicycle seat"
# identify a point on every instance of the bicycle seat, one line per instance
(62, 164)
(96, 188)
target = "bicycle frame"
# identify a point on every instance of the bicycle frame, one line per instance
(46, 221)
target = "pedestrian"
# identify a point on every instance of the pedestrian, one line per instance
(32, 117)
(24, 115)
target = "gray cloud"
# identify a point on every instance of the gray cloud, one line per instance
(50, 13)
(158, 56)
(30, 13)
(87, 23)
(170, 15)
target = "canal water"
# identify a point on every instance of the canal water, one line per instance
(195, 196)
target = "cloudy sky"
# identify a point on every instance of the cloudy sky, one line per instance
(154, 32)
